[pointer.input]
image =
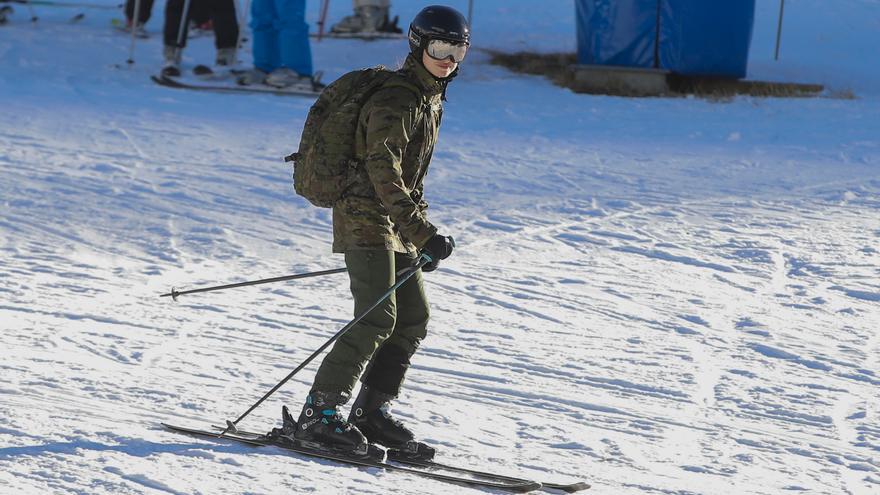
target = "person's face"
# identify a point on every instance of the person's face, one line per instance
(440, 69)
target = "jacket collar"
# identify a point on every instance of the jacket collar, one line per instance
(424, 79)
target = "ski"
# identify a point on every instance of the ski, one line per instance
(50, 3)
(518, 486)
(221, 88)
(568, 488)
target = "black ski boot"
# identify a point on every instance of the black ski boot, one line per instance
(370, 414)
(322, 428)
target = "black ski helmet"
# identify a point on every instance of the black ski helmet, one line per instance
(437, 22)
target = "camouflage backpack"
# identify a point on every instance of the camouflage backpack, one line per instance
(326, 152)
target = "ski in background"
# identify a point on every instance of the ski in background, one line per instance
(366, 36)
(308, 88)
(50, 3)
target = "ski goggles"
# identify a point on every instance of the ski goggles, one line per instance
(442, 50)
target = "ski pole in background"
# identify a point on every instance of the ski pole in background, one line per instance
(471, 13)
(779, 29)
(175, 293)
(134, 22)
(30, 7)
(242, 22)
(405, 275)
(323, 18)
(184, 19)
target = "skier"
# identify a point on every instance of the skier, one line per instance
(282, 54)
(370, 16)
(225, 25)
(146, 10)
(200, 19)
(5, 11)
(380, 225)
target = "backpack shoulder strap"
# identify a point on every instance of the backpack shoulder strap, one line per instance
(394, 79)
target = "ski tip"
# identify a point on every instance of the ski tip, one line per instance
(571, 488)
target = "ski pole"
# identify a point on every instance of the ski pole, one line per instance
(423, 260)
(184, 20)
(471, 13)
(321, 20)
(30, 7)
(779, 29)
(135, 17)
(242, 16)
(175, 293)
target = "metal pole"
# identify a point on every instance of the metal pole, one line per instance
(423, 260)
(471, 14)
(242, 23)
(174, 292)
(184, 20)
(30, 7)
(325, 4)
(135, 16)
(779, 29)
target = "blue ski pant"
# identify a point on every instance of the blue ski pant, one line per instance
(281, 35)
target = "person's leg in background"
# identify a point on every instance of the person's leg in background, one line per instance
(295, 51)
(225, 23)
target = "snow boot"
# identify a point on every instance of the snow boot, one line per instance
(391, 26)
(226, 57)
(371, 415)
(171, 67)
(255, 76)
(366, 19)
(320, 426)
(284, 77)
(223, 65)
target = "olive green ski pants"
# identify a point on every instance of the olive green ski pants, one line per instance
(388, 336)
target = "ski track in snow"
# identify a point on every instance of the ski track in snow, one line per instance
(660, 296)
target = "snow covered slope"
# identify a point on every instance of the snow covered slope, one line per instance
(657, 295)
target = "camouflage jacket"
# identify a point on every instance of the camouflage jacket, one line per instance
(397, 129)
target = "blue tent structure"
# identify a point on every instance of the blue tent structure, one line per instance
(688, 37)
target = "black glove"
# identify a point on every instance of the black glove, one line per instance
(439, 247)
(431, 265)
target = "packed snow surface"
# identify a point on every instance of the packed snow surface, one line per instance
(658, 296)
